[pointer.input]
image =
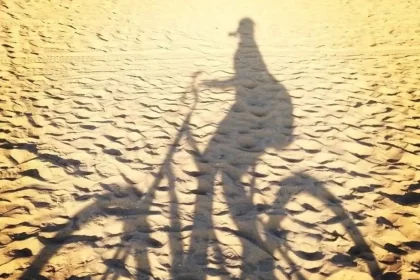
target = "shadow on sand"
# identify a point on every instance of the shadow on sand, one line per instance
(260, 118)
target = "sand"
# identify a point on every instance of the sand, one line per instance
(209, 139)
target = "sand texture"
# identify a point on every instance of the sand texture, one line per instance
(210, 139)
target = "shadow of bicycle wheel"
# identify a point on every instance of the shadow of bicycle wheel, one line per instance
(307, 185)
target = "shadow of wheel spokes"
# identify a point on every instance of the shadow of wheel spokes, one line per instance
(304, 184)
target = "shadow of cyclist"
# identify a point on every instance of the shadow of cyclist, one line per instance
(261, 117)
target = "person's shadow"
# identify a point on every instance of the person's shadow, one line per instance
(261, 117)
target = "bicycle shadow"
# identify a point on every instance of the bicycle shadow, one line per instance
(114, 203)
(260, 118)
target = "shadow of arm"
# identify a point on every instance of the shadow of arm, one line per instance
(218, 84)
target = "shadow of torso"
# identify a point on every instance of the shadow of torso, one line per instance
(261, 116)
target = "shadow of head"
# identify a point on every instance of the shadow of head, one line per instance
(245, 27)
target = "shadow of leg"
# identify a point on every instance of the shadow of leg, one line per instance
(205, 255)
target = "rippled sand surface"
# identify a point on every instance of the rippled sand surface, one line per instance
(138, 140)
